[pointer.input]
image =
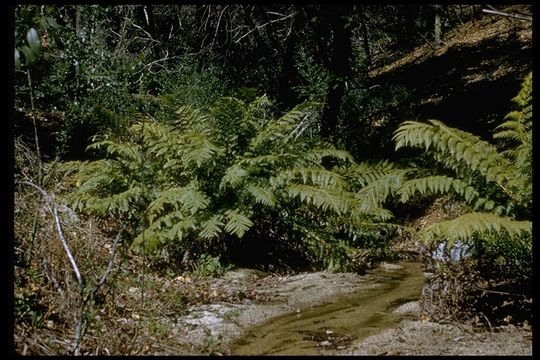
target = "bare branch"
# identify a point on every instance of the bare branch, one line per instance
(265, 24)
(109, 266)
(217, 26)
(517, 16)
(51, 204)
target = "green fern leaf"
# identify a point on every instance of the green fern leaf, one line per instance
(233, 177)
(211, 228)
(463, 227)
(237, 223)
(264, 196)
(325, 199)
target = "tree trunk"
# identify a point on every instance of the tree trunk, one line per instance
(288, 77)
(365, 37)
(340, 68)
(437, 27)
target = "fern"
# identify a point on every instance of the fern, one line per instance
(324, 199)
(217, 175)
(495, 182)
(459, 146)
(237, 223)
(212, 227)
(262, 195)
(465, 226)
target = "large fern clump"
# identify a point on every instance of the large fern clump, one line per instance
(209, 181)
(496, 183)
(494, 180)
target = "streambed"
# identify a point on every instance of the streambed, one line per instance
(332, 326)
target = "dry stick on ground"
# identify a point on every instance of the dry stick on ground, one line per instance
(83, 300)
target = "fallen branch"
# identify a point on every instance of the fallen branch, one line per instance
(83, 300)
(516, 16)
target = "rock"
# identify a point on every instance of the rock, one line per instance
(391, 267)
(410, 308)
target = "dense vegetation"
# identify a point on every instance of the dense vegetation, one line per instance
(193, 138)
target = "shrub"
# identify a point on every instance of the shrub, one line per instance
(209, 179)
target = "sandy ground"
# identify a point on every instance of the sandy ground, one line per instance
(414, 337)
(211, 328)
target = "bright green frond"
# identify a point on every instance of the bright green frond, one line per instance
(326, 199)
(114, 204)
(315, 176)
(199, 149)
(465, 226)
(237, 223)
(376, 192)
(262, 195)
(233, 176)
(211, 228)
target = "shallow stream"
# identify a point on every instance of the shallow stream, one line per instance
(331, 327)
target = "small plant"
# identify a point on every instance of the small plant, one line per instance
(210, 345)
(208, 265)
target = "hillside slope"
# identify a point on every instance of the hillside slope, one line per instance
(467, 82)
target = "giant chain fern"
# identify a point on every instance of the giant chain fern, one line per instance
(210, 176)
(496, 183)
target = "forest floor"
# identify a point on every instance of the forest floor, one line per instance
(220, 311)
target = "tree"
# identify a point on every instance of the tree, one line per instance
(339, 64)
(437, 25)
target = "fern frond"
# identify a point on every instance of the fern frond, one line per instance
(317, 154)
(372, 215)
(115, 204)
(170, 197)
(199, 149)
(190, 118)
(262, 195)
(436, 185)
(318, 176)
(193, 199)
(157, 233)
(211, 228)
(361, 174)
(375, 193)
(465, 226)
(233, 176)
(265, 160)
(278, 131)
(237, 223)
(460, 145)
(326, 199)
(517, 128)
(118, 150)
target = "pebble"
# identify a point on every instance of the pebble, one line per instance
(387, 266)
(412, 308)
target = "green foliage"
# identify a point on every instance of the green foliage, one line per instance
(208, 265)
(495, 183)
(205, 179)
(465, 226)
(30, 51)
(314, 78)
